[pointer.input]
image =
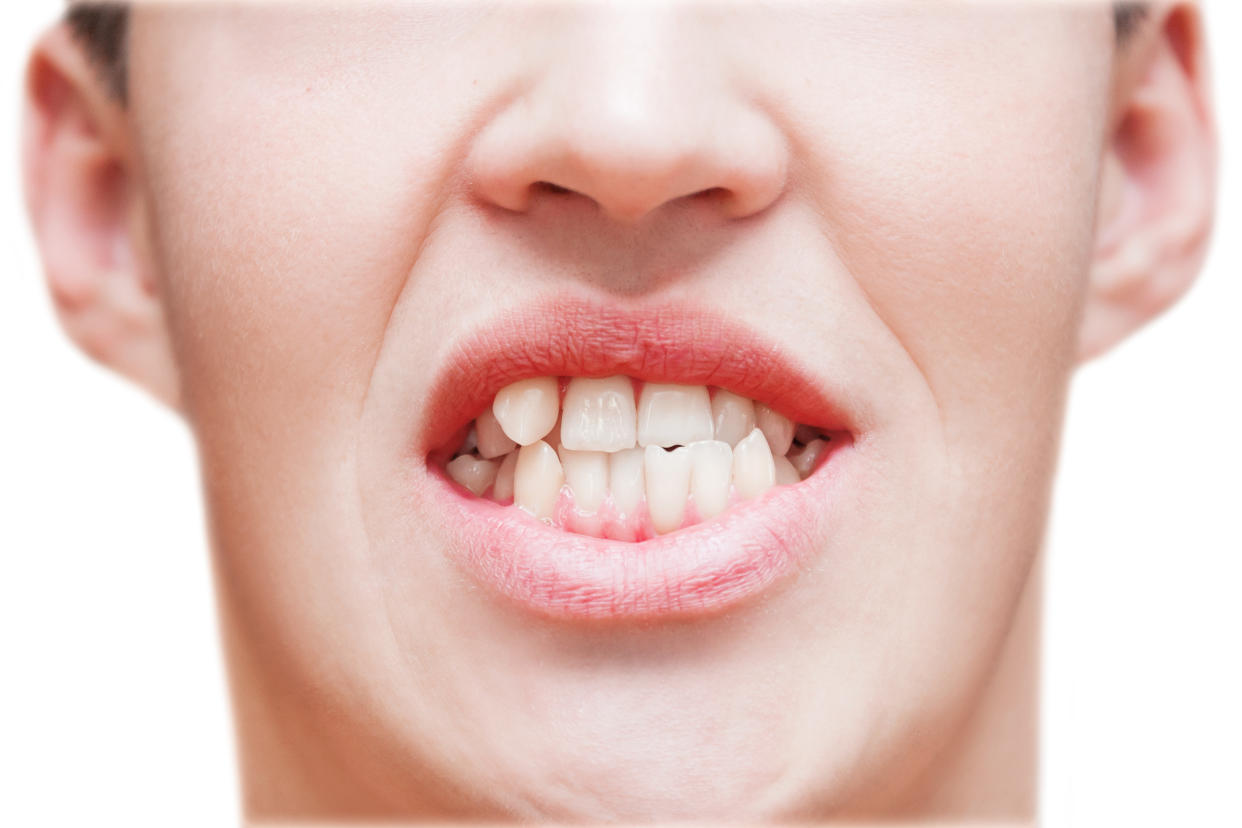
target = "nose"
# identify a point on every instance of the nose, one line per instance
(631, 109)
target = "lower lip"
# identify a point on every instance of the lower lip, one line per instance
(697, 571)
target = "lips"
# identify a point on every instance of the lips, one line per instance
(698, 570)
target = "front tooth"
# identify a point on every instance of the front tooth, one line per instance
(753, 470)
(668, 484)
(502, 489)
(786, 474)
(475, 473)
(625, 479)
(804, 459)
(778, 428)
(537, 479)
(711, 468)
(672, 415)
(598, 414)
(586, 472)
(732, 415)
(527, 409)
(492, 440)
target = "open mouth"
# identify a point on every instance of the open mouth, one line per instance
(595, 462)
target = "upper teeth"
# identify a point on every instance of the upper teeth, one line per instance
(610, 451)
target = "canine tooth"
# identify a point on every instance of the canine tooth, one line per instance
(803, 459)
(668, 484)
(626, 479)
(778, 428)
(537, 479)
(586, 472)
(598, 414)
(711, 469)
(502, 489)
(475, 473)
(732, 415)
(527, 409)
(492, 440)
(671, 415)
(753, 470)
(786, 474)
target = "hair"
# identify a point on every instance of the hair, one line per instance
(102, 29)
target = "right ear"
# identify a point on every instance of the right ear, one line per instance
(89, 215)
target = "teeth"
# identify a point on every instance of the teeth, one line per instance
(626, 479)
(502, 489)
(786, 474)
(492, 440)
(778, 428)
(472, 472)
(598, 414)
(673, 415)
(471, 442)
(527, 409)
(711, 469)
(586, 472)
(668, 484)
(804, 458)
(732, 415)
(537, 479)
(753, 470)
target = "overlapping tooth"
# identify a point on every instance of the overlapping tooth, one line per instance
(502, 489)
(804, 459)
(786, 474)
(586, 473)
(673, 415)
(491, 438)
(599, 414)
(475, 473)
(527, 409)
(626, 481)
(733, 416)
(753, 470)
(711, 471)
(537, 479)
(778, 428)
(668, 484)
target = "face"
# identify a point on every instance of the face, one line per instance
(873, 223)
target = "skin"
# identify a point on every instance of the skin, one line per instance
(945, 207)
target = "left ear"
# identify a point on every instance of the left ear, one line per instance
(1158, 184)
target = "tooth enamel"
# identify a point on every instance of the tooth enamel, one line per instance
(672, 415)
(527, 409)
(753, 470)
(786, 474)
(586, 472)
(711, 470)
(492, 440)
(472, 472)
(598, 414)
(502, 489)
(626, 480)
(778, 428)
(668, 484)
(732, 415)
(803, 459)
(537, 479)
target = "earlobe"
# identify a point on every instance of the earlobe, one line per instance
(1157, 189)
(89, 217)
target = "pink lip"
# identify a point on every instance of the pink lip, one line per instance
(699, 570)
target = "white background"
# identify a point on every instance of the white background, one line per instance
(112, 696)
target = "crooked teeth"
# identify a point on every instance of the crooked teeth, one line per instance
(475, 473)
(804, 458)
(668, 484)
(527, 409)
(502, 489)
(626, 480)
(753, 470)
(711, 471)
(599, 414)
(733, 416)
(491, 438)
(537, 479)
(673, 415)
(777, 428)
(786, 474)
(586, 473)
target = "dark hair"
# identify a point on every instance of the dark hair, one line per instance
(102, 29)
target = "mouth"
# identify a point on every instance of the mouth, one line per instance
(593, 462)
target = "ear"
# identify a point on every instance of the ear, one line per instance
(89, 217)
(1158, 186)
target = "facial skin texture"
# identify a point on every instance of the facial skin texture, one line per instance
(939, 209)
